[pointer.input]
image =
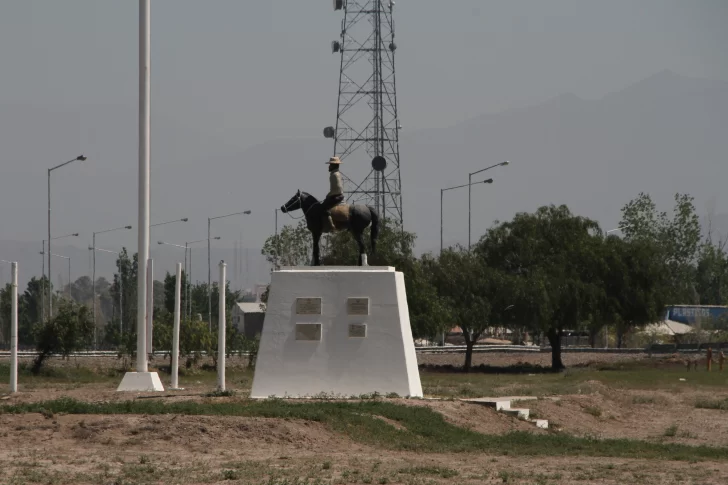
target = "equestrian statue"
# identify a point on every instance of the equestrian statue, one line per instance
(332, 215)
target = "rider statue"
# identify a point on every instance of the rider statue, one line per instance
(336, 190)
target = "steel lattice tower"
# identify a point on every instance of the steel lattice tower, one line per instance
(366, 135)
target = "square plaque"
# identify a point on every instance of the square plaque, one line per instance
(357, 306)
(308, 331)
(308, 306)
(357, 330)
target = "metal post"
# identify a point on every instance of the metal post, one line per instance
(209, 279)
(189, 291)
(175, 330)
(69, 279)
(121, 303)
(42, 286)
(143, 239)
(221, 330)
(50, 285)
(14, 330)
(93, 283)
(442, 191)
(187, 282)
(150, 304)
(470, 190)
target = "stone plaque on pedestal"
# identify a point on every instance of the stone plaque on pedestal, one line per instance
(357, 330)
(308, 331)
(308, 306)
(357, 306)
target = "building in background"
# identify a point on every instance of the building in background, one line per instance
(248, 318)
(697, 315)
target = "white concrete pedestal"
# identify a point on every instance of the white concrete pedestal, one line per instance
(141, 382)
(338, 332)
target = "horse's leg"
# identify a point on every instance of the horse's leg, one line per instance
(359, 236)
(316, 240)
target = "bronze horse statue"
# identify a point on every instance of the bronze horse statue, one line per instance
(351, 217)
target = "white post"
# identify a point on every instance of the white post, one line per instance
(175, 330)
(150, 304)
(364, 260)
(221, 330)
(14, 330)
(142, 379)
(144, 135)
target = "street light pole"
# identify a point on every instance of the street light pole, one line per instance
(50, 291)
(442, 191)
(470, 178)
(93, 277)
(42, 283)
(209, 274)
(121, 287)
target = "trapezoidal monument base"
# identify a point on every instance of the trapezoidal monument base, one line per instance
(337, 331)
(140, 382)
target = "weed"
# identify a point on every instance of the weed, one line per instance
(593, 410)
(326, 465)
(643, 400)
(230, 475)
(670, 431)
(712, 404)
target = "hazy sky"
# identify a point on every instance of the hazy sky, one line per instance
(227, 75)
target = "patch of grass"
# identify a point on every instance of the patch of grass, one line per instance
(712, 404)
(422, 429)
(638, 375)
(670, 431)
(219, 393)
(593, 410)
(430, 470)
(643, 400)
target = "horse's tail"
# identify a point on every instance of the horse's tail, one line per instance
(375, 228)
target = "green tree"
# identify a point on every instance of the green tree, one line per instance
(678, 239)
(554, 255)
(712, 273)
(291, 247)
(636, 283)
(473, 294)
(70, 330)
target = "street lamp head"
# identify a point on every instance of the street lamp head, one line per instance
(184, 220)
(488, 181)
(505, 163)
(127, 227)
(217, 237)
(246, 212)
(160, 242)
(81, 157)
(75, 234)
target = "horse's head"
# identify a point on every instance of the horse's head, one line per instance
(293, 204)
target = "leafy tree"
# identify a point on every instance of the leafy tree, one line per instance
(636, 283)
(712, 273)
(70, 330)
(429, 313)
(30, 305)
(291, 247)
(474, 295)
(678, 239)
(553, 255)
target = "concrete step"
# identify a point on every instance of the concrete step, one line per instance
(520, 413)
(540, 423)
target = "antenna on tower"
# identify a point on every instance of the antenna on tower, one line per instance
(366, 134)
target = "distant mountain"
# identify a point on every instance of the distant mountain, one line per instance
(662, 135)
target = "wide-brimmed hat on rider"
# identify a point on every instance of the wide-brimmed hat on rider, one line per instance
(334, 161)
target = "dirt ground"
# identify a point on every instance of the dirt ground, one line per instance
(130, 449)
(204, 449)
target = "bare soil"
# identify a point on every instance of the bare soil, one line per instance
(129, 449)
